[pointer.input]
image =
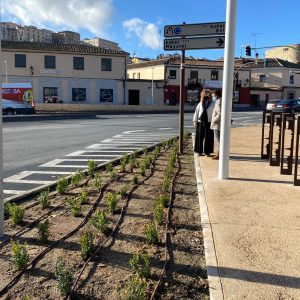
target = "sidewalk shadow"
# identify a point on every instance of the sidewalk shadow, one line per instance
(259, 180)
(259, 277)
(247, 158)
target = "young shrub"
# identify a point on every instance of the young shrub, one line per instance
(164, 200)
(83, 196)
(134, 289)
(159, 213)
(151, 233)
(43, 199)
(142, 170)
(166, 184)
(6, 208)
(62, 184)
(97, 182)
(64, 276)
(75, 206)
(140, 264)
(113, 175)
(131, 164)
(43, 231)
(123, 190)
(109, 167)
(135, 179)
(20, 256)
(126, 158)
(99, 221)
(186, 135)
(92, 165)
(145, 150)
(86, 244)
(122, 166)
(76, 178)
(16, 214)
(112, 201)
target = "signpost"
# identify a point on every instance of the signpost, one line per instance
(204, 36)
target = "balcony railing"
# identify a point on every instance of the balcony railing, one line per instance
(194, 82)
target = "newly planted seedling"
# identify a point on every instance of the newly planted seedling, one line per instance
(92, 165)
(112, 201)
(76, 178)
(140, 264)
(86, 244)
(134, 289)
(109, 167)
(83, 196)
(62, 184)
(6, 208)
(123, 190)
(99, 220)
(75, 206)
(135, 179)
(20, 256)
(159, 213)
(145, 150)
(43, 231)
(64, 276)
(113, 175)
(97, 183)
(151, 233)
(164, 199)
(142, 170)
(166, 184)
(16, 214)
(44, 199)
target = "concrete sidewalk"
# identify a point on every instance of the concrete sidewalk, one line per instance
(255, 221)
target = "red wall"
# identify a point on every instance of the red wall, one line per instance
(245, 96)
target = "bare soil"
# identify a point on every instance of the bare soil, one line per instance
(107, 272)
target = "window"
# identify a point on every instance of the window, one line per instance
(106, 95)
(78, 94)
(214, 75)
(78, 63)
(291, 95)
(50, 94)
(20, 60)
(49, 62)
(262, 78)
(292, 77)
(194, 75)
(172, 74)
(105, 64)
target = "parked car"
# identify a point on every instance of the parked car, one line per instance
(288, 105)
(272, 104)
(10, 107)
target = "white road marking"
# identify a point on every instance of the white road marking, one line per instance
(121, 142)
(80, 153)
(167, 128)
(128, 132)
(121, 147)
(13, 192)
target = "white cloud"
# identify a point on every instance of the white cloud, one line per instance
(92, 15)
(147, 33)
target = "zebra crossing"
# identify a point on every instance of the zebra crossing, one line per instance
(102, 152)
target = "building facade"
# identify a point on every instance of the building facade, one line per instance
(290, 53)
(67, 73)
(102, 43)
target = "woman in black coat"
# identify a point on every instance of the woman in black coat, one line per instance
(204, 140)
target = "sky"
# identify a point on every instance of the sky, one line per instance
(137, 26)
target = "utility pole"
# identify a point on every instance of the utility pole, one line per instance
(182, 96)
(227, 88)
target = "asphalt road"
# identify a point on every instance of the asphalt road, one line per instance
(36, 153)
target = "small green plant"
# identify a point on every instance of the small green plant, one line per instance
(16, 213)
(20, 256)
(186, 135)
(145, 150)
(6, 208)
(112, 201)
(75, 206)
(142, 170)
(97, 183)
(27, 297)
(123, 190)
(83, 196)
(92, 165)
(76, 178)
(99, 221)
(151, 233)
(123, 166)
(132, 164)
(109, 167)
(164, 200)
(126, 158)
(166, 184)
(135, 179)
(159, 213)
(140, 264)
(113, 175)
(86, 244)
(44, 199)
(62, 184)
(43, 231)
(134, 289)
(64, 276)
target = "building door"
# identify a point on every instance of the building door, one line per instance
(133, 97)
(173, 99)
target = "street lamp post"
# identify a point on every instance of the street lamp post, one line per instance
(152, 86)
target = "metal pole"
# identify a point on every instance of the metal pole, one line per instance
(182, 96)
(152, 86)
(5, 71)
(227, 88)
(1, 154)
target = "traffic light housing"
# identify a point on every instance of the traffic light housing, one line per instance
(248, 50)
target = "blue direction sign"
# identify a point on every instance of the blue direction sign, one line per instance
(214, 42)
(217, 28)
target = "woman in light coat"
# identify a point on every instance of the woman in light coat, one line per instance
(204, 140)
(216, 120)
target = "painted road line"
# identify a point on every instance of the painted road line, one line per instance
(13, 192)
(133, 131)
(121, 147)
(55, 163)
(166, 128)
(81, 153)
(117, 142)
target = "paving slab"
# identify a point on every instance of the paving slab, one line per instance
(255, 221)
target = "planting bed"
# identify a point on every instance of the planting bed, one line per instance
(177, 264)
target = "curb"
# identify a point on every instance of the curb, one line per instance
(213, 275)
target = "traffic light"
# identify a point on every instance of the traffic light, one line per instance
(248, 50)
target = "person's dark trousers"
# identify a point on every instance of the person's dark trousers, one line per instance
(204, 140)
